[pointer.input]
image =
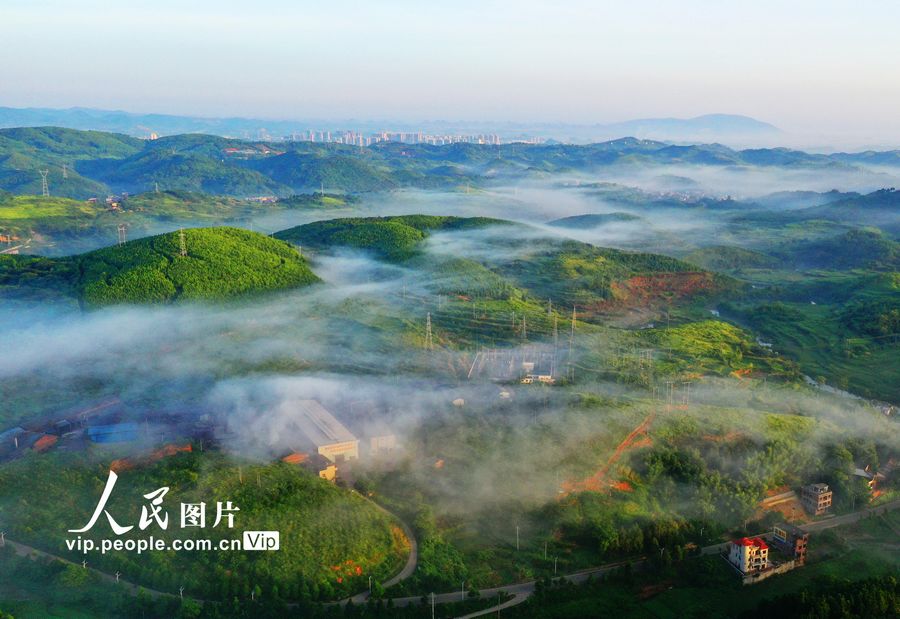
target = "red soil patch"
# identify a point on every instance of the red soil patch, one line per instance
(651, 289)
(597, 482)
(623, 486)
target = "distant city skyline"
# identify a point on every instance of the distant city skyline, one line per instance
(814, 68)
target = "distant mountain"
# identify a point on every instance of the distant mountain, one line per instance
(84, 164)
(708, 128)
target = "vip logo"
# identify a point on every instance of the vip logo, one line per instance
(262, 540)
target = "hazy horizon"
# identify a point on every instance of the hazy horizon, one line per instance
(819, 71)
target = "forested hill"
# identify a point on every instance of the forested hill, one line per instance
(393, 238)
(218, 264)
(83, 164)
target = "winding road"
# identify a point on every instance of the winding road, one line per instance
(411, 562)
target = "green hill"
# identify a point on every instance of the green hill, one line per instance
(600, 279)
(25, 151)
(220, 263)
(593, 220)
(185, 171)
(61, 145)
(393, 238)
(303, 172)
(861, 248)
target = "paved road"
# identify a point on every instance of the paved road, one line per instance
(411, 562)
(520, 591)
(28, 551)
(850, 518)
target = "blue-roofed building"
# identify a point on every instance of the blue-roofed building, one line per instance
(114, 433)
(9, 436)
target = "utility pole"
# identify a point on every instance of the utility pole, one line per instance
(549, 307)
(45, 189)
(524, 329)
(555, 332)
(429, 340)
(517, 537)
(156, 187)
(432, 605)
(65, 171)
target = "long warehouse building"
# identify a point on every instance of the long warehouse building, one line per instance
(329, 436)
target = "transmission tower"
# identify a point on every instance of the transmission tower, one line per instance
(555, 331)
(429, 341)
(156, 187)
(670, 393)
(572, 332)
(524, 329)
(45, 189)
(65, 171)
(122, 229)
(181, 242)
(686, 394)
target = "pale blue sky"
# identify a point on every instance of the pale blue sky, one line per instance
(800, 64)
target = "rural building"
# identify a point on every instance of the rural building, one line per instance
(383, 443)
(10, 437)
(816, 498)
(791, 540)
(329, 436)
(749, 555)
(318, 464)
(114, 433)
(45, 442)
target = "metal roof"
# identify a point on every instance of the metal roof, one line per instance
(320, 426)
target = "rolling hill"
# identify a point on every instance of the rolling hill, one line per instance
(220, 263)
(867, 248)
(594, 220)
(393, 238)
